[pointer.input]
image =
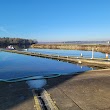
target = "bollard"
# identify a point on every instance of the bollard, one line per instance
(107, 55)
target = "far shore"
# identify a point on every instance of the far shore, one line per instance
(87, 47)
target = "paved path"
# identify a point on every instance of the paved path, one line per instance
(88, 91)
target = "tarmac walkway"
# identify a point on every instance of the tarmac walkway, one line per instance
(87, 91)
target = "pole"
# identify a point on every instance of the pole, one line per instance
(107, 55)
(92, 53)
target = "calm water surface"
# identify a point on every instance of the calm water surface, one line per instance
(14, 66)
(76, 53)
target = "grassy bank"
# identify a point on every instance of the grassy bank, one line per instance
(99, 48)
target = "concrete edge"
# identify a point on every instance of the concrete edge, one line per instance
(37, 103)
(50, 102)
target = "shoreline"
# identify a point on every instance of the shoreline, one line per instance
(97, 48)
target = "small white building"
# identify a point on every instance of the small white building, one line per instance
(10, 47)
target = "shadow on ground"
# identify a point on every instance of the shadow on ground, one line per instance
(86, 91)
(18, 96)
(15, 96)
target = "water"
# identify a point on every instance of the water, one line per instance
(76, 53)
(16, 67)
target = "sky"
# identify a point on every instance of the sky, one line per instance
(55, 20)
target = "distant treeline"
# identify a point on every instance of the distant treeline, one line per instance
(16, 41)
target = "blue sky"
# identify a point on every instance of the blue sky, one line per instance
(55, 20)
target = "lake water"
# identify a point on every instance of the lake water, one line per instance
(16, 67)
(76, 53)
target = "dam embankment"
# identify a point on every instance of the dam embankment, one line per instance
(98, 48)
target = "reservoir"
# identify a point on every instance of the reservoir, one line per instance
(16, 67)
(76, 53)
